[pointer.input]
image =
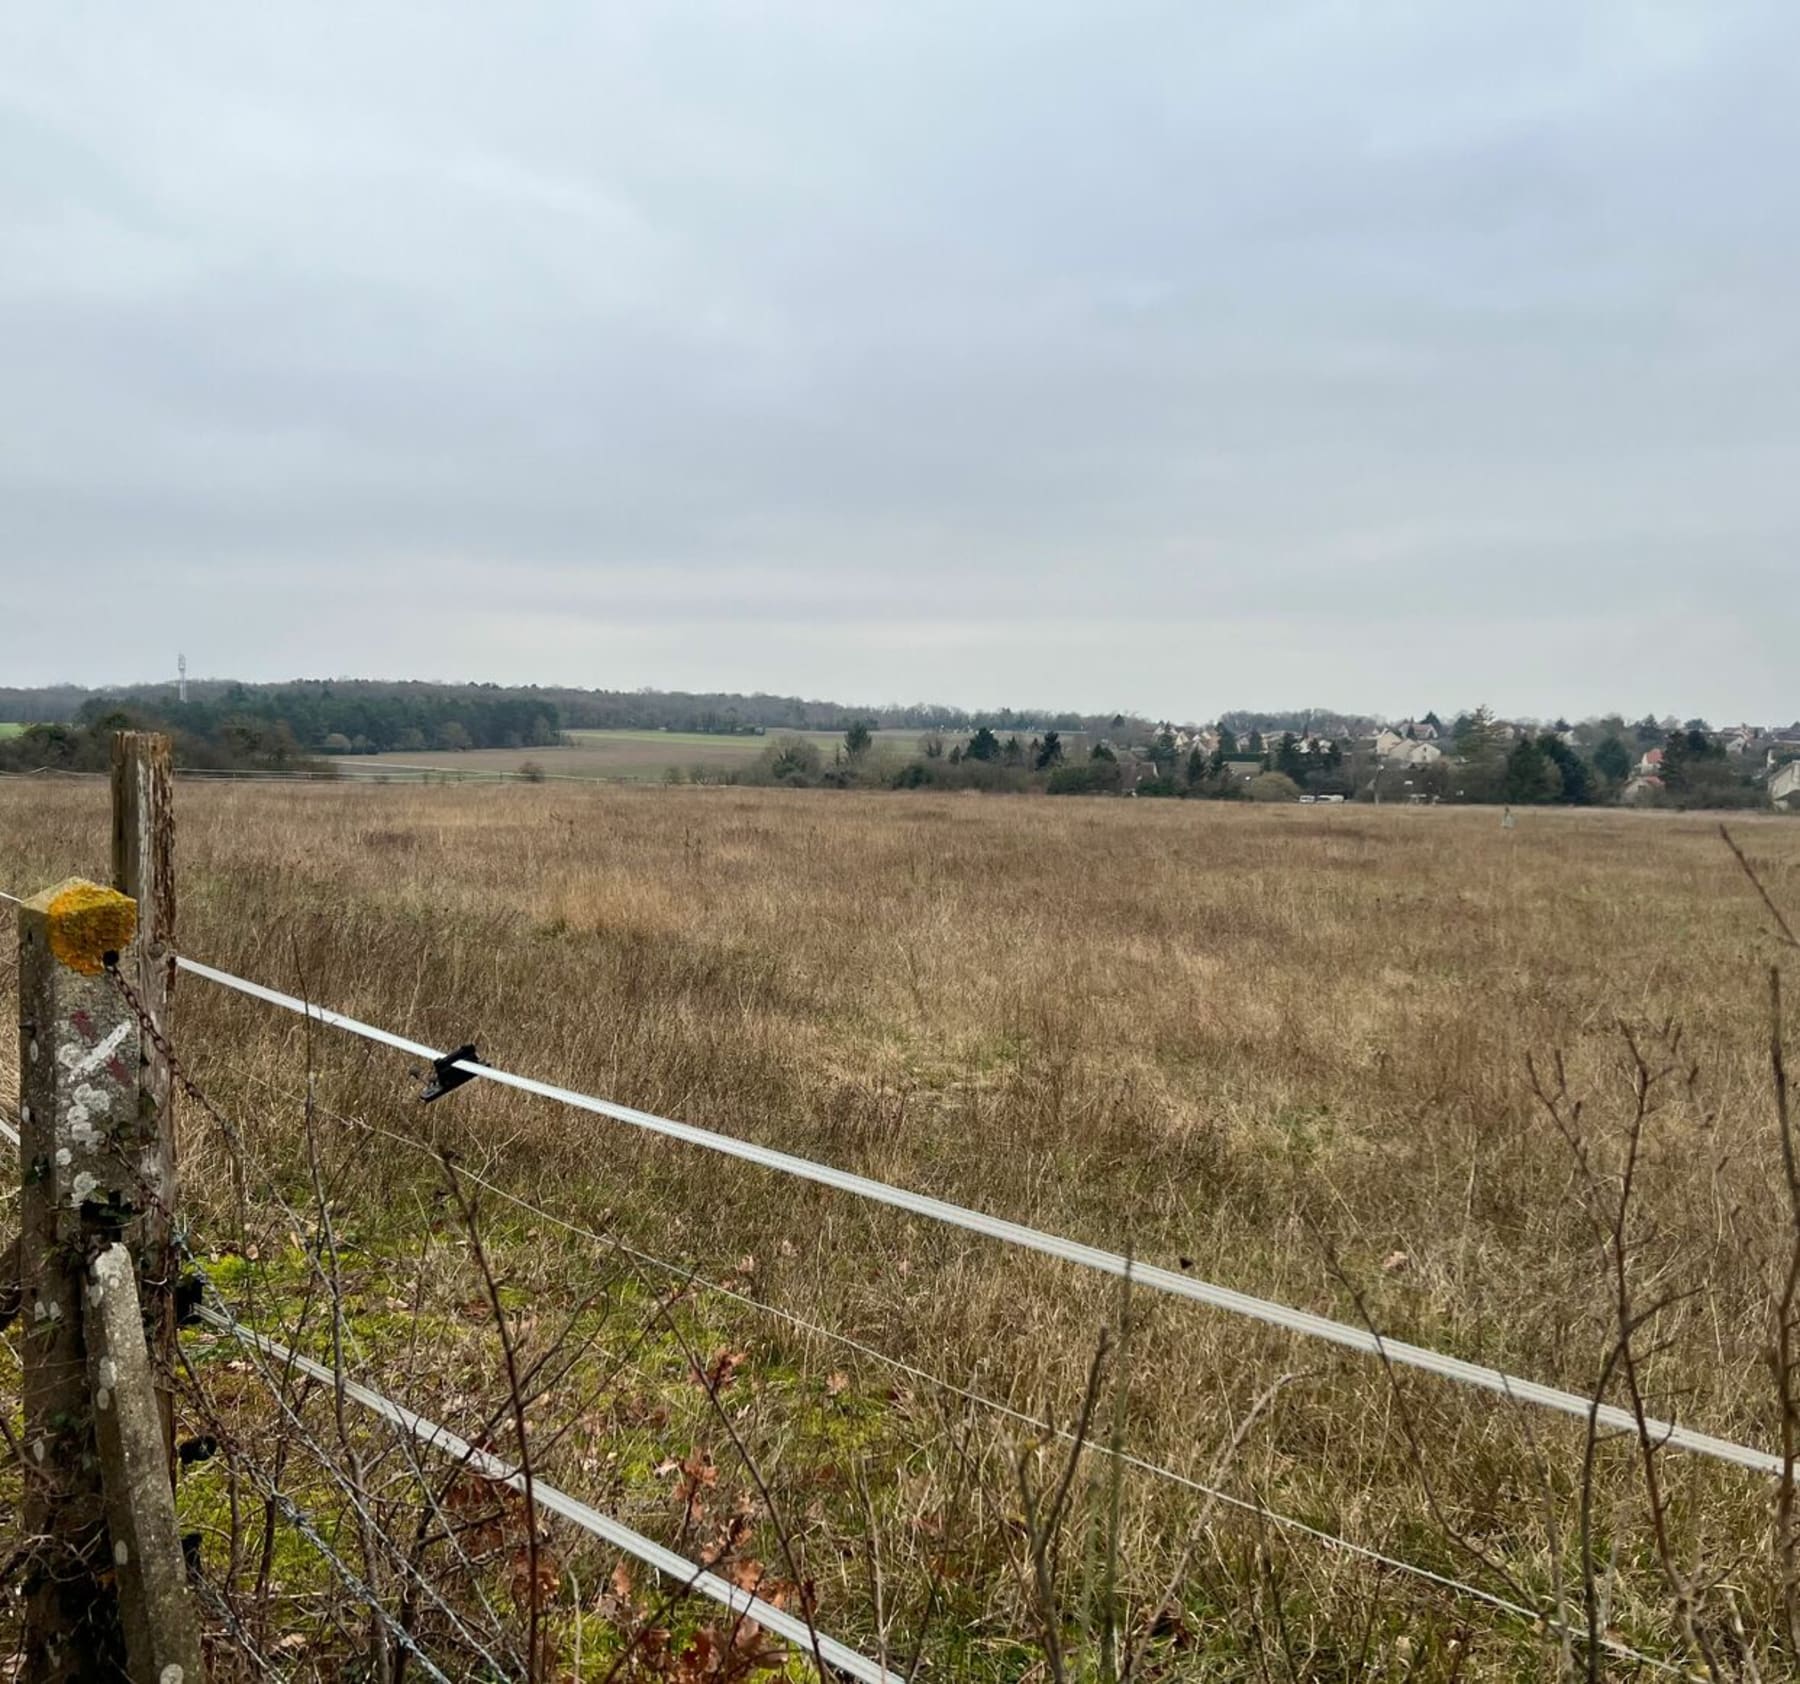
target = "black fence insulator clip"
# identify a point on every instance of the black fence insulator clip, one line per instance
(190, 1291)
(447, 1077)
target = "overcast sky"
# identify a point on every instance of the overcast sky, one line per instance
(1169, 357)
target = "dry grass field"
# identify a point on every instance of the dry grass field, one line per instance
(628, 755)
(1290, 1049)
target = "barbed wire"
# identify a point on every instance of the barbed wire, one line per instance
(742, 1603)
(226, 1323)
(1335, 1541)
(1516, 1388)
(220, 1603)
(301, 1522)
(1298, 1321)
(11, 1134)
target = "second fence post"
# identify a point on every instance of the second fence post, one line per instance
(143, 867)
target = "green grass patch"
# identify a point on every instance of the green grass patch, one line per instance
(629, 1399)
(679, 739)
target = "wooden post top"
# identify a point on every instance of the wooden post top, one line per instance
(83, 922)
(82, 1049)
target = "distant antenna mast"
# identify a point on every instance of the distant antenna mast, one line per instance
(181, 666)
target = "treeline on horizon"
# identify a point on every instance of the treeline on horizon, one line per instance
(1276, 756)
(275, 727)
(226, 725)
(379, 712)
(1484, 760)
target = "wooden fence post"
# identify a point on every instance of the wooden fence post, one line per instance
(143, 867)
(162, 1630)
(90, 1163)
(78, 1051)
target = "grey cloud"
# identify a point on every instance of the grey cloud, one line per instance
(1152, 355)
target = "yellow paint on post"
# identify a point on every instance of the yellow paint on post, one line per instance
(84, 922)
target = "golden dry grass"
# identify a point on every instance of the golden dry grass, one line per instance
(627, 755)
(1289, 1045)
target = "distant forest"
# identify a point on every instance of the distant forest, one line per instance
(377, 716)
(225, 724)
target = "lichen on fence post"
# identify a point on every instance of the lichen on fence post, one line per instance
(90, 1167)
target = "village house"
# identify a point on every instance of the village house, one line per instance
(1784, 787)
(1393, 749)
